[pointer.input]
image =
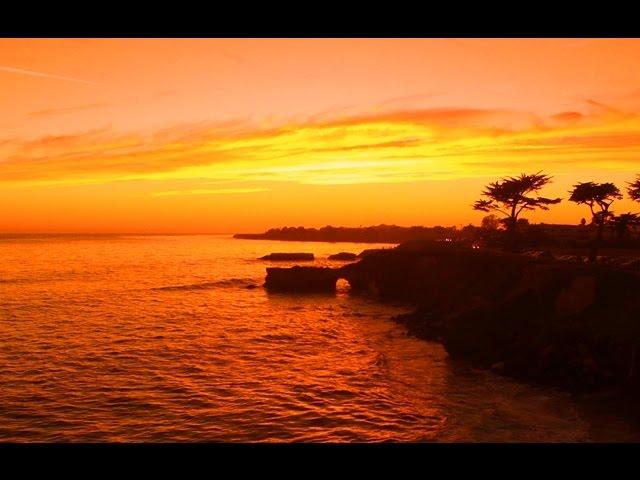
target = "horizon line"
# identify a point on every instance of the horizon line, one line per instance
(252, 233)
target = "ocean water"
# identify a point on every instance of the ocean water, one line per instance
(173, 338)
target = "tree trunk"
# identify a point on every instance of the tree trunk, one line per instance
(595, 246)
(511, 234)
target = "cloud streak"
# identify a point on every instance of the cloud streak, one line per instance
(32, 73)
(210, 191)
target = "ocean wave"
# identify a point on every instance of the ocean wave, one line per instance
(49, 277)
(26, 280)
(227, 283)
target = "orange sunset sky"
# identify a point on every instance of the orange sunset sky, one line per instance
(239, 135)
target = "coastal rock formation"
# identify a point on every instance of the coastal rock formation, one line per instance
(284, 257)
(343, 256)
(567, 323)
(301, 279)
(437, 272)
(571, 325)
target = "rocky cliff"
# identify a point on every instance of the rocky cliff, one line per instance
(571, 324)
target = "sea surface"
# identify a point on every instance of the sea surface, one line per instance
(172, 338)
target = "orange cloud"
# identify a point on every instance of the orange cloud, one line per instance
(568, 117)
(396, 146)
(210, 191)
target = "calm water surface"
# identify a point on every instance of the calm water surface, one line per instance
(158, 338)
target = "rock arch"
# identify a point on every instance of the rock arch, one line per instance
(305, 279)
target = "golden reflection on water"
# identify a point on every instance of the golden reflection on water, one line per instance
(162, 338)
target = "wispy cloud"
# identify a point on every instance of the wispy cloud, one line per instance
(64, 110)
(32, 73)
(391, 147)
(568, 117)
(605, 107)
(210, 191)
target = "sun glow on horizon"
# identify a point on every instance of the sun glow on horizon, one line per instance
(409, 159)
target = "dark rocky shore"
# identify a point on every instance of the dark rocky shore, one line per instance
(569, 324)
(287, 257)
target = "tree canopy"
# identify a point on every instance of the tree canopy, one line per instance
(596, 194)
(625, 222)
(512, 195)
(491, 222)
(634, 189)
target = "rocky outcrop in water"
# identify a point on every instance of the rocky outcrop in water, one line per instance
(289, 257)
(370, 251)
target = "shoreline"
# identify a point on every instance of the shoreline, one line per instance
(535, 319)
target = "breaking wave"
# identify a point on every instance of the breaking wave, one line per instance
(227, 283)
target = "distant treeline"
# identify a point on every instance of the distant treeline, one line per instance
(373, 234)
(491, 234)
